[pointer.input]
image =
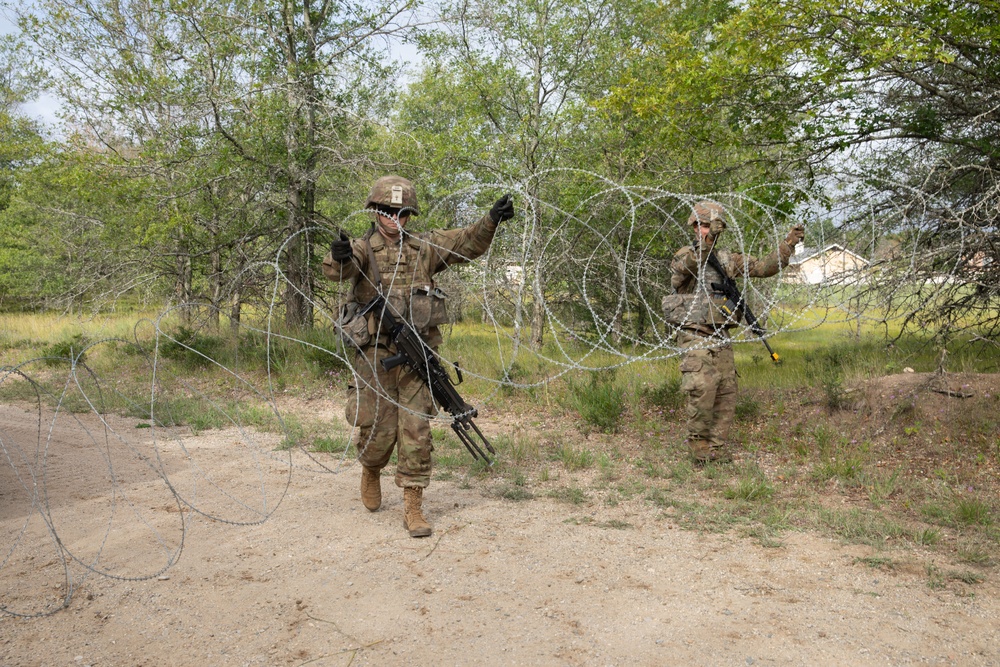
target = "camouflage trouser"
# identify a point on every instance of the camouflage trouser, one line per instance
(708, 376)
(390, 407)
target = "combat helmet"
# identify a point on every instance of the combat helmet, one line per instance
(394, 192)
(706, 211)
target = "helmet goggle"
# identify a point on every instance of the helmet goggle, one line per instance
(394, 213)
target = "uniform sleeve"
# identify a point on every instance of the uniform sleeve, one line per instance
(684, 267)
(334, 270)
(760, 268)
(457, 246)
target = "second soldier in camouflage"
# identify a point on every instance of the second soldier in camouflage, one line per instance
(708, 370)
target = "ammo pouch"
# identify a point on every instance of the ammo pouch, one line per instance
(353, 329)
(699, 309)
(685, 309)
(427, 308)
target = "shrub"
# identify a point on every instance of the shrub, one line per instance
(599, 402)
(323, 351)
(667, 396)
(747, 408)
(190, 347)
(68, 348)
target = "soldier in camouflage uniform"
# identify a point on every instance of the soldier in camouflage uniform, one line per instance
(391, 409)
(708, 371)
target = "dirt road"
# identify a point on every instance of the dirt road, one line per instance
(324, 582)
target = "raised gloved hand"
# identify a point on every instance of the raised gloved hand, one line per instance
(340, 249)
(503, 209)
(715, 229)
(795, 235)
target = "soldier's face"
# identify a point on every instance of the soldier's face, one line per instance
(392, 223)
(702, 231)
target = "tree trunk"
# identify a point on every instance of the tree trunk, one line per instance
(184, 278)
(235, 310)
(538, 284)
(215, 286)
(301, 145)
(537, 318)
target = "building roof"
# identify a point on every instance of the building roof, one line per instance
(803, 253)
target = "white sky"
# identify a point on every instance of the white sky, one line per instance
(46, 106)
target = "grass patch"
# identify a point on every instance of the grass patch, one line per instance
(514, 492)
(607, 467)
(651, 468)
(751, 485)
(666, 397)
(568, 494)
(579, 520)
(747, 407)
(966, 577)
(574, 459)
(972, 511)
(337, 444)
(977, 554)
(600, 402)
(777, 516)
(960, 511)
(843, 461)
(877, 563)
(927, 537)
(517, 448)
(882, 487)
(71, 347)
(766, 537)
(862, 527)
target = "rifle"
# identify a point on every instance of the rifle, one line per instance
(412, 351)
(735, 303)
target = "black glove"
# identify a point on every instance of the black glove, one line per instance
(340, 249)
(503, 209)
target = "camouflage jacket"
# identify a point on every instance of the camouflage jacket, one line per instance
(407, 271)
(691, 276)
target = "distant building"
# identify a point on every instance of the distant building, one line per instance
(833, 264)
(514, 275)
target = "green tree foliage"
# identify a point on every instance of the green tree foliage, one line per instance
(231, 115)
(689, 95)
(505, 96)
(205, 139)
(21, 146)
(889, 109)
(900, 101)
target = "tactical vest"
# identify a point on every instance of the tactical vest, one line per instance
(697, 305)
(407, 282)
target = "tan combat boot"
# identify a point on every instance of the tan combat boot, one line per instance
(701, 451)
(704, 452)
(371, 488)
(413, 519)
(719, 453)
